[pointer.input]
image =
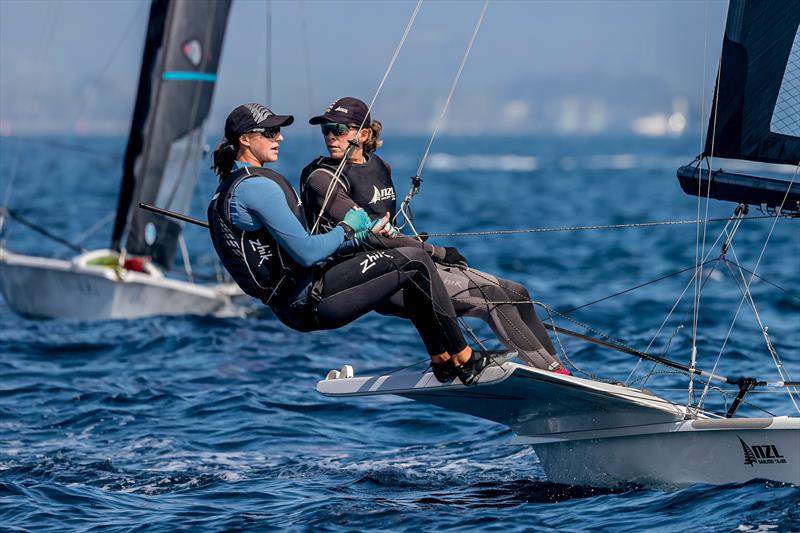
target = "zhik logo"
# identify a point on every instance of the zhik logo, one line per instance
(369, 262)
(761, 454)
(262, 250)
(382, 194)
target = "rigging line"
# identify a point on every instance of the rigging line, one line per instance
(453, 86)
(761, 278)
(594, 227)
(80, 239)
(555, 329)
(663, 354)
(492, 306)
(89, 93)
(702, 286)
(710, 159)
(41, 230)
(677, 302)
(416, 181)
(343, 162)
(268, 52)
(46, 42)
(549, 310)
(306, 55)
(779, 366)
(636, 287)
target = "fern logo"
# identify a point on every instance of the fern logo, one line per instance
(258, 112)
(749, 457)
(761, 454)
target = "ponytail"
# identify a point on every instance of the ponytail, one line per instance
(374, 141)
(223, 158)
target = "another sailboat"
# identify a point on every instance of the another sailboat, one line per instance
(586, 432)
(165, 148)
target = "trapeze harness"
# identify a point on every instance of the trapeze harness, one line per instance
(253, 258)
(369, 185)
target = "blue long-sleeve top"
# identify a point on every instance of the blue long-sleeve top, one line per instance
(260, 203)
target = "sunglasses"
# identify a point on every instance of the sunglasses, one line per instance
(269, 133)
(336, 128)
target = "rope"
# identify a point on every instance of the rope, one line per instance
(416, 181)
(635, 287)
(440, 121)
(584, 228)
(343, 162)
(679, 299)
(779, 365)
(268, 52)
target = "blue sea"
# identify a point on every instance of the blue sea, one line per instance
(213, 424)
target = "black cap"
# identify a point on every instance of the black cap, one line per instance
(347, 110)
(253, 117)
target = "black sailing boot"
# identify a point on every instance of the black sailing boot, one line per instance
(444, 372)
(469, 371)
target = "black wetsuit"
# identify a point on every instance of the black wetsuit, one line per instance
(334, 290)
(472, 292)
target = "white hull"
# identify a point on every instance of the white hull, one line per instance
(54, 288)
(590, 433)
(699, 451)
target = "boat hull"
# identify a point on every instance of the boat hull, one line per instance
(679, 456)
(54, 288)
(604, 435)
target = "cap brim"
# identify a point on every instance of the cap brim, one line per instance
(273, 121)
(329, 117)
(320, 119)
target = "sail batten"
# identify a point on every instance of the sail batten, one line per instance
(165, 146)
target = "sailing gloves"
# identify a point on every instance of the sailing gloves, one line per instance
(358, 226)
(450, 256)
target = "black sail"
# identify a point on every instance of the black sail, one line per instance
(756, 112)
(164, 152)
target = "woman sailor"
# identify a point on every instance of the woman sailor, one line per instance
(318, 282)
(365, 181)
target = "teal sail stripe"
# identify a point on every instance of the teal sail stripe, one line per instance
(189, 76)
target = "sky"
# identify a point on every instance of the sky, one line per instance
(564, 67)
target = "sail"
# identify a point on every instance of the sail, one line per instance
(756, 110)
(176, 85)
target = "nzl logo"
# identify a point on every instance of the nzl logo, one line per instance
(263, 251)
(762, 454)
(382, 194)
(370, 260)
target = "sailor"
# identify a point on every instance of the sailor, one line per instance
(365, 181)
(322, 281)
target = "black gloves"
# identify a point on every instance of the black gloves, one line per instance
(449, 256)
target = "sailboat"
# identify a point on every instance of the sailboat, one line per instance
(593, 433)
(161, 165)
